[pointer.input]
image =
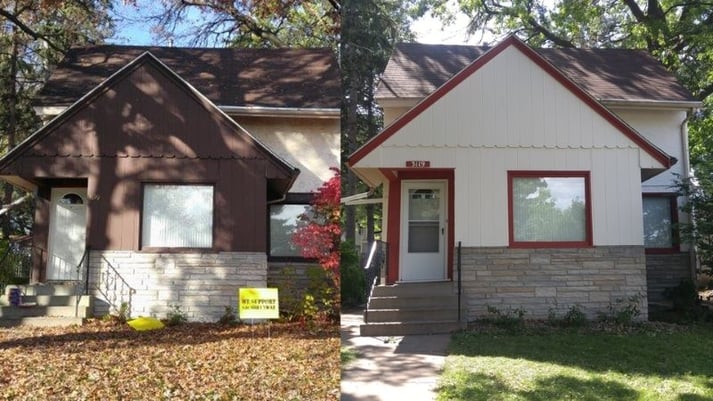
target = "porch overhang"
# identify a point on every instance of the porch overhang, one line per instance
(20, 182)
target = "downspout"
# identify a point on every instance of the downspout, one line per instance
(296, 172)
(693, 260)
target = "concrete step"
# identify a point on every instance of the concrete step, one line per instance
(58, 288)
(409, 328)
(42, 321)
(51, 300)
(18, 312)
(411, 314)
(441, 288)
(413, 302)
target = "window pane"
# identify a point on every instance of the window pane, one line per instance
(549, 209)
(283, 223)
(177, 216)
(657, 222)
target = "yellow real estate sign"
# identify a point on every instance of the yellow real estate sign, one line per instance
(258, 303)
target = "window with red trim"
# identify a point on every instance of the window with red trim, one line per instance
(549, 209)
(660, 218)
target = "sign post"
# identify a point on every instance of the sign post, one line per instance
(258, 303)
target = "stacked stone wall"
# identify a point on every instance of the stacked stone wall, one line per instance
(201, 284)
(541, 281)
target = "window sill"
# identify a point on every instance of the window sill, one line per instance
(662, 251)
(551, 245)
(178, 250)
(290, 259)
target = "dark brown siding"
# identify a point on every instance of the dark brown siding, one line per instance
(40, 232)
(148, 128)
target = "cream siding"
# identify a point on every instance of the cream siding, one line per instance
(311, 145)
(509, 102)
(392, 113)
(662, 127)
(512, 115)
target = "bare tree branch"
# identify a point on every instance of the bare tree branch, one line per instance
(26, 29)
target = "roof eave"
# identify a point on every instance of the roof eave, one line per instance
(259, 111)
(652, 104)
(295, 112)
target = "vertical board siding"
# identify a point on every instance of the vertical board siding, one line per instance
(506, 114)
(512, 115)
(148, 127)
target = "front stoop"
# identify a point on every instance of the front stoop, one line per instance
(45, 305)
(411, 308)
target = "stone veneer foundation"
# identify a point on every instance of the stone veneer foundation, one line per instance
(202, 284)
(540, 280)
(664, 271)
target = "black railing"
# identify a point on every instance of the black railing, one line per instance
(82, 268)
(115, 290)
(375, 262)
(16, 262)
(460, 281)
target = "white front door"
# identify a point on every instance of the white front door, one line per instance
(423, 228)
(67, 233)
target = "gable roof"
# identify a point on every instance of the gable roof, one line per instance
(543, 63)
(294, 78)
(415, 70)
(280, 185)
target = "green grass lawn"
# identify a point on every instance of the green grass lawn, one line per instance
(580, 365)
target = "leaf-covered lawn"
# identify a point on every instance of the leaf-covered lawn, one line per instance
(188, 362)
(588, 366)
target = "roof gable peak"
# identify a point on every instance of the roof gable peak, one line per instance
(510, 41)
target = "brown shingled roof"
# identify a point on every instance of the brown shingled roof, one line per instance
(302, 78)
(415, 70)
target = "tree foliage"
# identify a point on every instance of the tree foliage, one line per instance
(319, 230)
(34, 36)
(678, 33)
(369, 32)
(251, 23)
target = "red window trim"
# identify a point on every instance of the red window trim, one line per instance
(551, 244)
(675, 237)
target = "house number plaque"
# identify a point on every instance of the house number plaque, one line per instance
(418, 163)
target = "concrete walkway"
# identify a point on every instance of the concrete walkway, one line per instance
(390, 368)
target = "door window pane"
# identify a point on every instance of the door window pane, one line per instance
(424, 220)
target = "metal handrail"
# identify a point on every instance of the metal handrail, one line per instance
(77, 295)
(372, 269)
(460, 281)
(109, 281)
(23, 269)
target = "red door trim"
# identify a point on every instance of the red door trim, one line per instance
(394, 219)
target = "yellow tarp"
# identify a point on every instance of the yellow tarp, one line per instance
(145, 323)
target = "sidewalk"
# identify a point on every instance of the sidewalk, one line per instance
(390, 368)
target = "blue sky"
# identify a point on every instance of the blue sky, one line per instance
(131, 30)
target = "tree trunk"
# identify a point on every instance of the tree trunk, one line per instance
(11, 104)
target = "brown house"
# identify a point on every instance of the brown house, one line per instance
(145, 180)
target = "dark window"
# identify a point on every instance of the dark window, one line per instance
(659, 220)
(71, 199)
(284, 220)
